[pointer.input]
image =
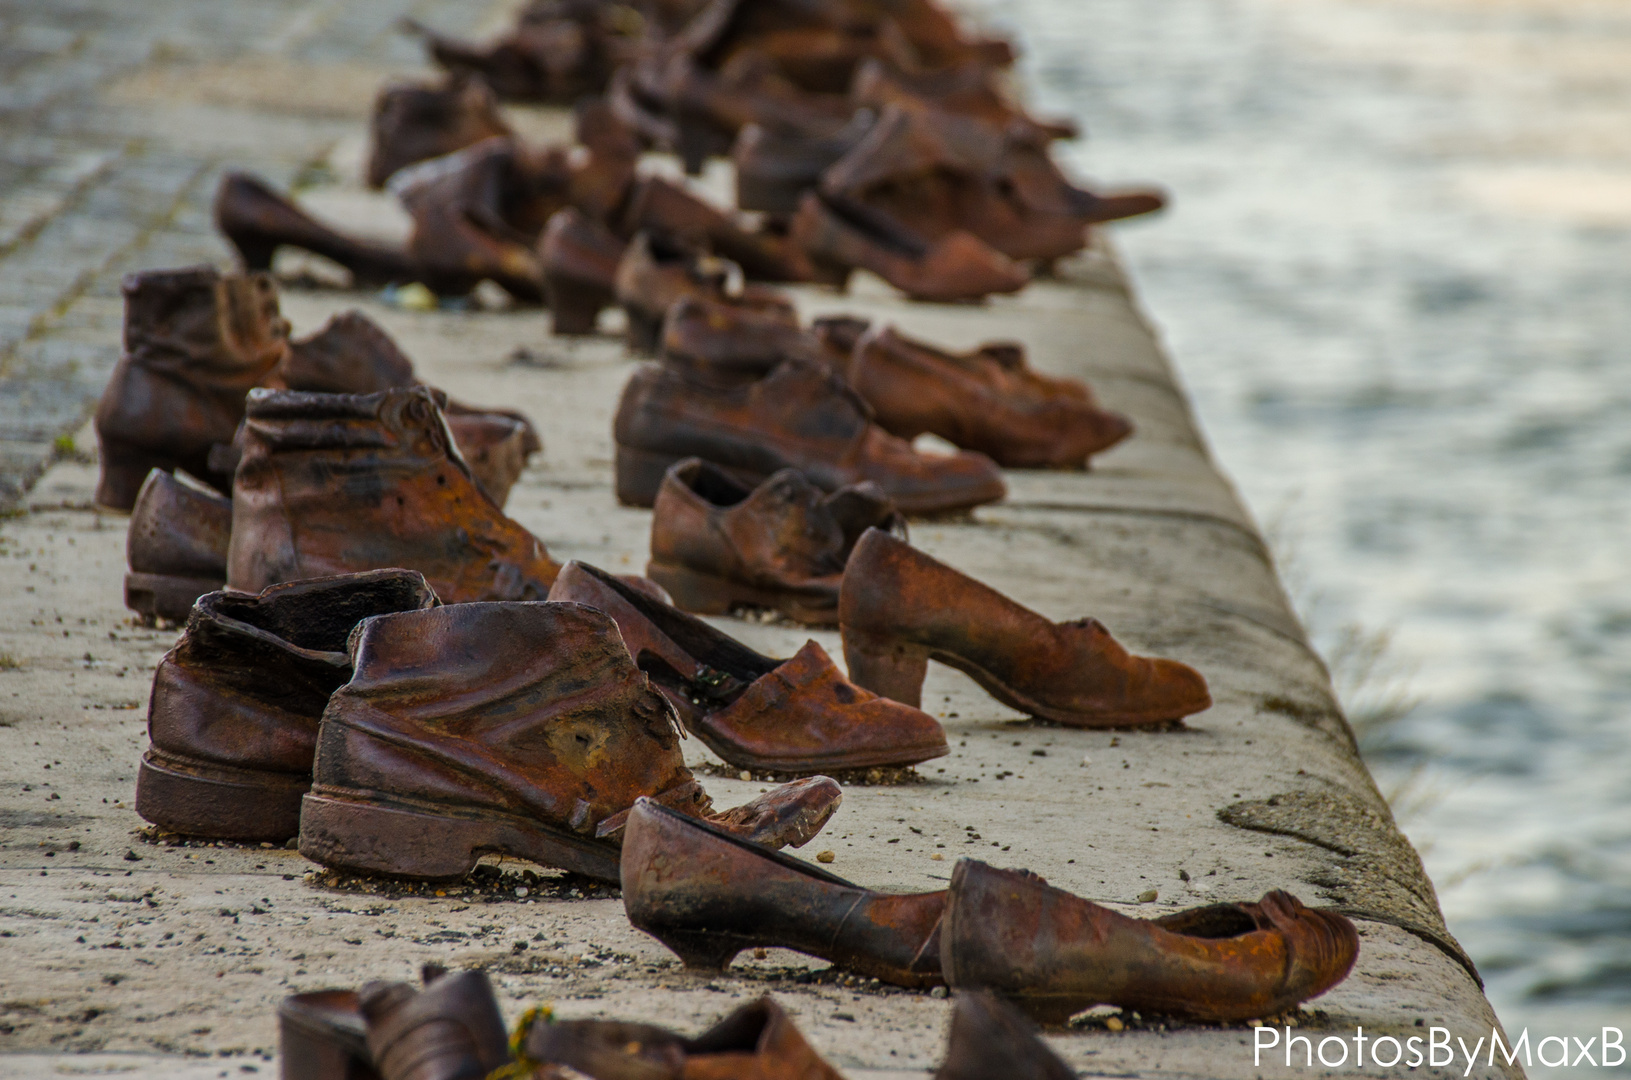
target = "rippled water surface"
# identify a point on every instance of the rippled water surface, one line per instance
(1397, 277)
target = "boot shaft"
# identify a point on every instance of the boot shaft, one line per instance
(218, 331)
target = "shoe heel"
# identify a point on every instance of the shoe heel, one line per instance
(890, 668)
(645, 331)
(360, 837)
(575, 305)
(698, 950)
(165, 596)
(639, 475)
(219, 803)
(701, 594)
(254, 250)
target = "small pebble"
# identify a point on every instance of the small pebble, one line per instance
(1086, 760)
(937, 857)
(825, 856)
(939, 992)
(744, 775)
(1114, 1023)
(1148, 896)
(521, 890)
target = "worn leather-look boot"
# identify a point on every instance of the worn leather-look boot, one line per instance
(322, 1035)
(352, 354)
(196, 341)
(799, 715)
(656, 272)
(725, 343)
(417, 121)
(898, 609)
(176, 546)
(450, 1030)
(521, 728)
(975, 402)
(1054, 954)
(800, 416)
(719, 544)
(992, 1040)
(579, 258)
(708, 896)
(337, 483)
(257, 221)
(235, 704)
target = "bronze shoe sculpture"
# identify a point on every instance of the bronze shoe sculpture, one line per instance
(417, 121)
(176, 546)
(656, 272)
(898, 608)
(338, 483)
(719, 544)
(257, 221)
(519, 728)
(578, 257)
(708, 895)
(196, 341)
(978, 402)
(756, 1040)
(323, 1035)
(1054, 954)
(352, 354)
(660, 206)
(726, 343)
(795, 716)
(558, 51)
(232, 722)
(799, 416)
(450, 1030)
(992, 1040)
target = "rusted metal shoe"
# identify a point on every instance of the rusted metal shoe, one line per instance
(196, 341)
(579, 258)
(232, 721)
(558, 51)
(724, 343)
(840, 236)
(519, 728)
(775, 167)
(898, 609)
(323, 1035)
(992, 1040)
(755, 1040)
(656, 272)
(417, 121)
(708, 895)
(176, 546)
(984, 400)
(257, 221)
(339, 483)
(718, 544)
(1054, 954)
(352, 354)
(660, 206)
(797, 716)
(799, 416)
(450, 1030)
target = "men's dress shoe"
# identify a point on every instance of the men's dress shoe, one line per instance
(232, 722)
(800, 416)
(757, 1040)
(450, 1030)
(176, 546)
(519, 728)
(718, 544)
(992, 1040)
(417, 121)
(799, 715)
(708, 895)
(841, 236)
(898, 609)
(257, 221)
(1054, 954)
(338, 483)
(579, 258)
(724, 342)
(352, 354)
(656, 272)
(974, 402)
(196, 341)
(322, 1035)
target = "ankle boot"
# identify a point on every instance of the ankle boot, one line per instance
(233, 718)
(352, 354)
(416, 121)
(579, 258)
(195, 342)
(719, 544)
(708, 896)
(176, 546)
(257, 221)
(519, 728)
(1055, 955)
(975, 403)
(795, 716)
(992, 1040)
(799, 416)
(450, 1030)
(337, 483)
(898, 608)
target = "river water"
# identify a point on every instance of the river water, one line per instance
(1397, 278)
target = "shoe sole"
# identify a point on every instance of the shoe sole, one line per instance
(708, 594)
(196, 798)
(362, 836)
(166, 596)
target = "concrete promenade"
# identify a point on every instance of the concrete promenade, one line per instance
(119, 954)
